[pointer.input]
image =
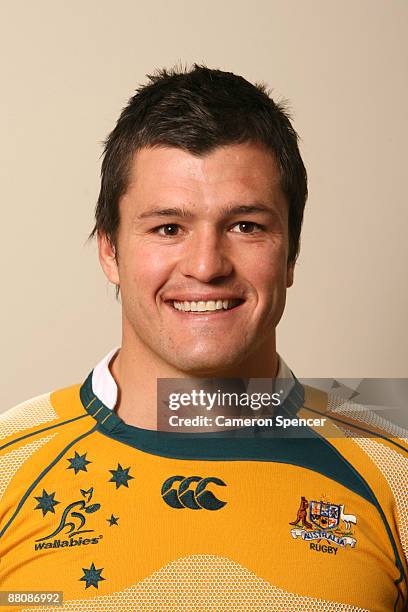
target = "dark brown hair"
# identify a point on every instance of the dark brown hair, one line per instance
(198, 110)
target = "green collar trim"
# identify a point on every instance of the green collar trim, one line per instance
(250, 444)
(110, 422)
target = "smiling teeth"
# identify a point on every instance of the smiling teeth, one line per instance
(205, 306)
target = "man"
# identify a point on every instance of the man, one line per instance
(198, 224)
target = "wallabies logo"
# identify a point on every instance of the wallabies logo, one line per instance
(74, 517)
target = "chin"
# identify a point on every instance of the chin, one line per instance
(200, 365)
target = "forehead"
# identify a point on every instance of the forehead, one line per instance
(244, 172)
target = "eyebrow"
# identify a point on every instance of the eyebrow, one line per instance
(227, 211)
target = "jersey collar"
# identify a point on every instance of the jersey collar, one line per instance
(105, 388)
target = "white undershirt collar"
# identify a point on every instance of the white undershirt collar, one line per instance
(104, 385)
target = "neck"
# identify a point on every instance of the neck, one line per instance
(136, 369)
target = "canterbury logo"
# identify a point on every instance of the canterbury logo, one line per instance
(181, 492)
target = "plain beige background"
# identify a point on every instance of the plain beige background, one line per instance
(67, 69)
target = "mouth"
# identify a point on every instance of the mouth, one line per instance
(208, 307)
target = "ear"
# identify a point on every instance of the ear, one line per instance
(289, 274)
(107, 258)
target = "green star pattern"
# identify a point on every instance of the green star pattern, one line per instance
(113, 520)
(120, 476)
(78, 463)
(46, 502)
(92, 576)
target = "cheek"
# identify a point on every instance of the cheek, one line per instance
(143, 270)
(265, 268)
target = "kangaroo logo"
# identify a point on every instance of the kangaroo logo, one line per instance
(73, 517)
(182, 496)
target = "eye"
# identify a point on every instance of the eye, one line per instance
(247, 227)
(168, 230)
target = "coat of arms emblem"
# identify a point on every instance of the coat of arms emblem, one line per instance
(324, 515)
(323, 520)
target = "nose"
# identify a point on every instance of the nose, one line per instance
(205, 256)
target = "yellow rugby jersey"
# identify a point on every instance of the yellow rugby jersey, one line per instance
(121, 518)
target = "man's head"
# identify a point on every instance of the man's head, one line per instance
(201, 152)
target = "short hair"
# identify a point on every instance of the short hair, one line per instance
(198, 110)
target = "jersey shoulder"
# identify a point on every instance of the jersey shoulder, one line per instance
(353, 419)
(40, 413)
(374, 446)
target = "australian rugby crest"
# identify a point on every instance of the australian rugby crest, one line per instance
(323, 520)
